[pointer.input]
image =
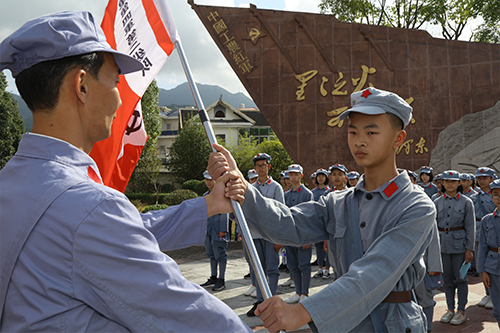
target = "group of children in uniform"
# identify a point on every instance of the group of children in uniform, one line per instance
(463, 201)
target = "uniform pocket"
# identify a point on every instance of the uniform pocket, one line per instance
(338, 232)
(459, 240)
(491, 262)
(406, 325)
(458, 213)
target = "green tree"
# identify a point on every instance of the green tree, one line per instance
(248, 147)
(489, 32)
(189, 152)
(11, 123)
(451, 15)
(146, 174)
(243, 151)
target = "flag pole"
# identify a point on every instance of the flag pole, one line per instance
(240, 218)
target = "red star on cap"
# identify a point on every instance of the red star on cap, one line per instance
(366, 93)
(451, 173)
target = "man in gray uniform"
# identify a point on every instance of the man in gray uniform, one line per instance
(379, 230)
(77, 256)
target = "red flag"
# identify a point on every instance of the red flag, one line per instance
(145, 30)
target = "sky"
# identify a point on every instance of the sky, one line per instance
(207, 63)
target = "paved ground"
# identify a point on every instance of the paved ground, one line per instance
(196, 268)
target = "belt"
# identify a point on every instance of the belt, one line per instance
(495, 249)
(398, 297)
(451, 229)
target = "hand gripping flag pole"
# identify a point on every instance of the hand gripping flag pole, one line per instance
(247, 238)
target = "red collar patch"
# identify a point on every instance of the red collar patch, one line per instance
(93, 175)
(300, 189)
(389, 190)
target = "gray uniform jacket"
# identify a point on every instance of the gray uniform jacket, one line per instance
(93, 263)
(487, 260)
(269, 189)
(302, 194)
(452, 213)
(483, 205)
(395, 222)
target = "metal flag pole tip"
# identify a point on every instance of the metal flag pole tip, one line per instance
(240, 218)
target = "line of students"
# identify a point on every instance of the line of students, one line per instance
(461, 207)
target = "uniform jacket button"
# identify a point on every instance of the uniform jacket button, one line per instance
(369, 196)
(408, 330)
(362, 225)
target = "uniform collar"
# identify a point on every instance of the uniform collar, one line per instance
(298, 190)
(390, 189)
(495, 212)
(469, 191)
(48, 148)
(334, 189)
(267, 182)
(446, 196)
(480, 191)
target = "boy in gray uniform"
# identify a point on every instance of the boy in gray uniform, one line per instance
(216, 243)
(489, 253)
(379, 230)
(483, 205)
(268, 252)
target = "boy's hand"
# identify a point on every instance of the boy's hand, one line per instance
(468, 256)
(220, 162)
(486, 280)
(305, 247)
(227, 187)
(278, 315)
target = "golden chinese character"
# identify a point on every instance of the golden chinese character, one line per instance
(233, 46)
(239, 57)
(219, 26)
(224, 34)
(254, 34)
(339, 84)
(406, 145)
(336, 113)
(421, 147)
(213, 16)
(359, 83)
(303, 78)
(245, 66)
(322, 89)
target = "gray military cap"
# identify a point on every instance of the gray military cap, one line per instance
(56, 36)
(373, 101)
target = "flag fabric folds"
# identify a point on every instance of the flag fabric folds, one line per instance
(145, 30)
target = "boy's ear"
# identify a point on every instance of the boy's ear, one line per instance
(400, 138)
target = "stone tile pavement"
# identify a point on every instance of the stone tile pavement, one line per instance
(196, 268)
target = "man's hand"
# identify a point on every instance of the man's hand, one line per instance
(305, 247)
(227, 187)
(468, 256)
(278, 315)
(325, 246)
(221, 234)
(486, 280)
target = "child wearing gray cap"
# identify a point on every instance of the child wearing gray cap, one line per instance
(378, 230)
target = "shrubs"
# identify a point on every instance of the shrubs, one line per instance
(169, 199)
(178, 196)
(153, 207)
(195, 185)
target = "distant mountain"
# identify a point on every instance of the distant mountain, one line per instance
(181, 95)
(25, 112)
